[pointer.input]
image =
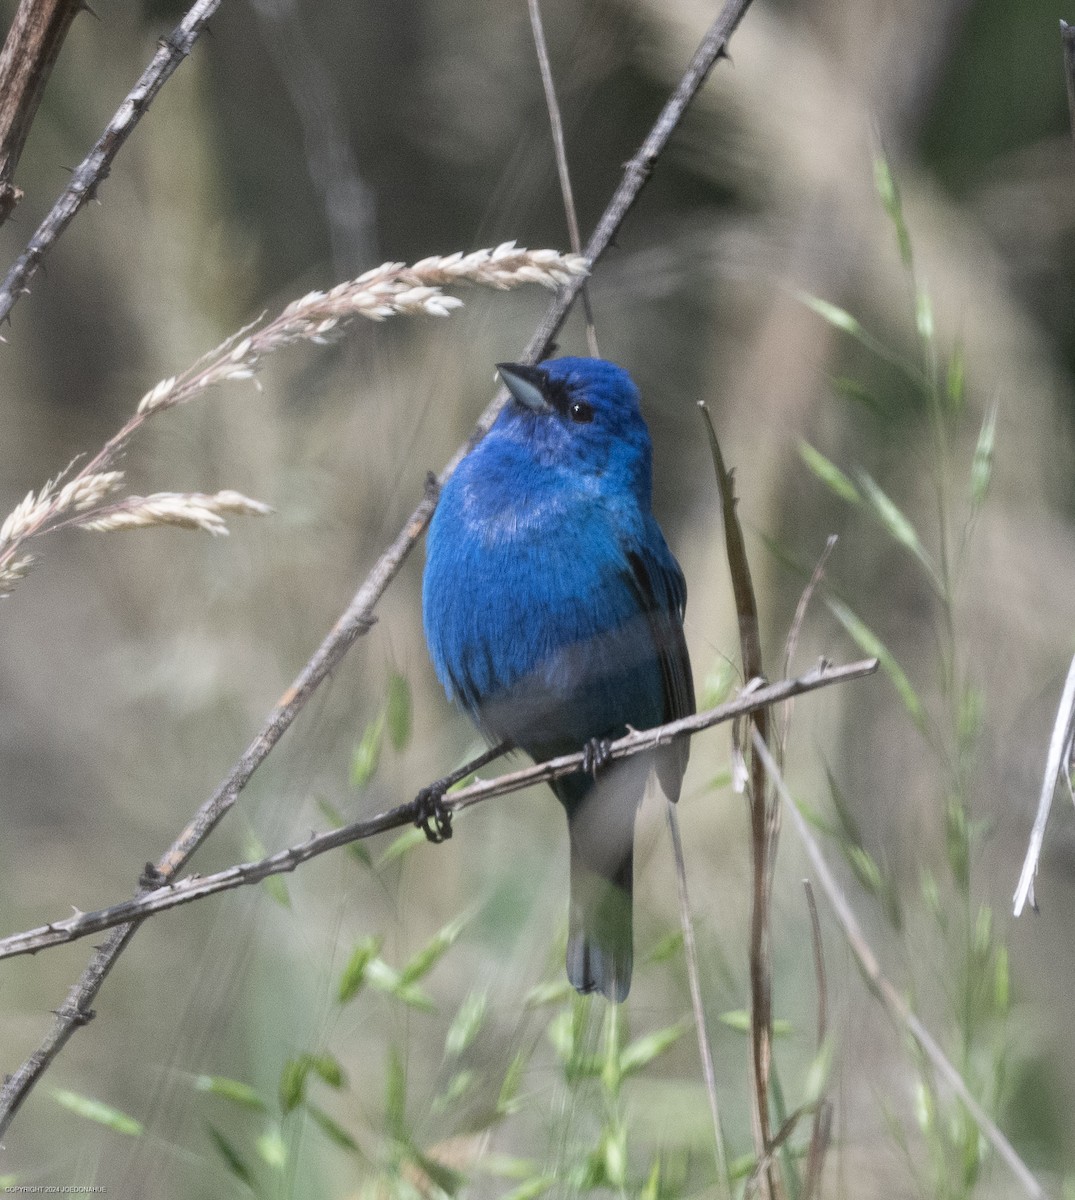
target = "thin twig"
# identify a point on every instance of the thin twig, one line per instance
(898, 1008)
(819, 1133)
(700, 1024)
(1059, 752)
(358, 616)
(1067, 38)
(764, 825)
(196, 887)
(792, 643)
(560, 149)
(94, 167)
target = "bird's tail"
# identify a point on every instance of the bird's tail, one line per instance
(600, 941)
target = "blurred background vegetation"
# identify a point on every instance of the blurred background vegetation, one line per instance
(301, 144)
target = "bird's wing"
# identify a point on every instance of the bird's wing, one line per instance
(658, 583)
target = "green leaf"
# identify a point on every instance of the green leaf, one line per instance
(458, 1086)
(651, 1189)
(292, 1085)
(981, 472)
(366, 756)
(924, 316)
(433, 951)
(231, 1089)
(533, 1188)
(667, 947)
(866, 869)
(333, 1130)
(395, 1097)
(739, 1020)
(273, 1149)
(852, 389)
(400, 846)
(829, 474)
(983, 933)
(274, 885)
(508, 1100)
(890, 200)
(957, 841)
(447, 1179)
(398, 712)
(899, 527)
(869, 643)
(838, 317)
(642, 1051)
(817, 1076)
(468, 1020)
(718, 685)
(335, 818)
(615, 1155)
(327, 1068)
(1002, 982)
(354, 974)
(548, 993)
(233, 1160)
(99, 1112)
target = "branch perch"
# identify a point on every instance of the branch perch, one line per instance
(196, 887)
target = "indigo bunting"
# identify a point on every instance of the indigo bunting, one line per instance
(553, 612)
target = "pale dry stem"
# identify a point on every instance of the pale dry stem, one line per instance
(388, 290)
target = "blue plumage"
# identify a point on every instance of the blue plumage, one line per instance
(553, 612)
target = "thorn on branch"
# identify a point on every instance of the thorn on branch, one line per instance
(151, 877)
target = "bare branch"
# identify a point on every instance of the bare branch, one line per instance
(94, 167)
(701, 1027)
(196, 887)
(556, 126)
(358, 616)
(30, 49)
(897, 1007)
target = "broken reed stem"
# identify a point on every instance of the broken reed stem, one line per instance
(388, 290)
(197, 887)
(358, 616)
(764, 825)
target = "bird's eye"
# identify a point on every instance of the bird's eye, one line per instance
(581, 412)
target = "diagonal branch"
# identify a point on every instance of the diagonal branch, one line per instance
(196, 887)
(94, 167)
(358, 616)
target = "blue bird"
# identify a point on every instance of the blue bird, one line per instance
(553, 612)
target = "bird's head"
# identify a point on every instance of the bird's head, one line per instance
(578, 411)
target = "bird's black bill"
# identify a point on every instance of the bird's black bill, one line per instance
(527, 384)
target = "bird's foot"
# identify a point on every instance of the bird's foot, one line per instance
(433, 817)
(596, 755)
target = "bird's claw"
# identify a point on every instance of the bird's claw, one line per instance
(434, 817)
(596, 755)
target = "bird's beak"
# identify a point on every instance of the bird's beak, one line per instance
(526, 384)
